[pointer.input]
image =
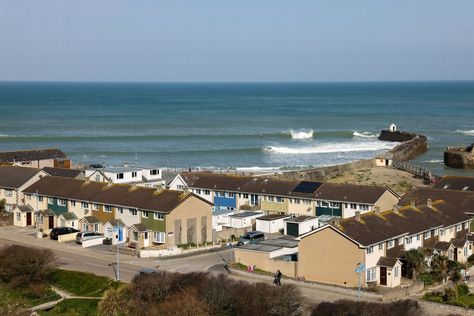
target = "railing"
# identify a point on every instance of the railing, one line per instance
(418, 171)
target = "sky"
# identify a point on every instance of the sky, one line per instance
(239, 40)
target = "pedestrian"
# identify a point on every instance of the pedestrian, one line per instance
(277, 279)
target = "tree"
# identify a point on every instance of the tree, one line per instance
(415, 262)
(3, 202)
(454, 272)
(186, 302)
(439, 265)
(22, 266)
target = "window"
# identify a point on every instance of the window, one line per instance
(297, 201)
(18, 216)
(8, 207)
(96, 227)
(230, 194)
(427, 235)
(159, 216)
(409, 240)
(159, 237)
(146, 235)
(120, 210)
(28, 197)
(40, 198)
(458, 227)
(84, 227)
(8, 192)
(390, 244)
(198, 191)
(50, 200)
(307, 202)
(436, 231)
(270, 198)
(364, 207)
(442, 232)
(62, 202)
(395, 272)
(354, 206)
(335, 204)
(381, 246)
(279, 199)
(119, 176)
(466, 225)
(132, 212)
(417, 237)
(73, 203)
(95, 206)
(84, 205)
(108, 208)
(207, 192)
(246, 195)
(154, 172)
(400, 241)
(145, 214)
(134, 174)
(371, 275)
(318, 203)
(370, 250)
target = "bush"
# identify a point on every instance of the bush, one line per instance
(463, 289)
(426, 277)
(434, 297)
(353, 308)
(22, 266)
(449, 295)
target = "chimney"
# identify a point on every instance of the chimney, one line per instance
(395, 209)
(377, 209)
(429, 203)
(413, 203)
(357, 215)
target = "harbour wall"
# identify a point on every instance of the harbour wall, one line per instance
(459, 157)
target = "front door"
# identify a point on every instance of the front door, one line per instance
(28, 219)
(455, 254)
(51, 222)
(383, 276)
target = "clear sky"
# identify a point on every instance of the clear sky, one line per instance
(236, 40)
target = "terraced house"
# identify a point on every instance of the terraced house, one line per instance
(379, 239)
(147, 217)
(288, 197)
(13, 180)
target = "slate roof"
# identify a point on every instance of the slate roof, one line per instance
(111, 194)
(456, 183)
(387, 262)
(116, 222)
(13, 177)
(25, 208)
(140, 227)
(246, 184)
(68, 216)
(463, 200)
(459, 242)
(47, 212)
(62, 172)
(300, 219)
(442, 245)
(373, 228)
(31, 155)
(368, 194)
(92, 219)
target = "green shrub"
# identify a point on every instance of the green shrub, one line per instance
(434, 297)
(426, 277)
(449, 295)
(463, 289)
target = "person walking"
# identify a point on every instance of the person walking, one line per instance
(277, 279)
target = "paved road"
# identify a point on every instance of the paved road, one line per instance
(98, 259)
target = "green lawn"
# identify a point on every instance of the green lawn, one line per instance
(81, 283)
(74, 307)
(467, 300)
(27, 297)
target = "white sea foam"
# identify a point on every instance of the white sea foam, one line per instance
(433, 161)
(466, 132)
(363, 134)
(332, 148)
(257, 169)
(301, 134)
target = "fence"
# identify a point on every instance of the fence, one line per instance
(418, 171)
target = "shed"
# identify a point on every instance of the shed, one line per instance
(244, 219)
(300, 225)
(272, 223)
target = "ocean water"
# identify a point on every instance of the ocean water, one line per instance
(243, 126)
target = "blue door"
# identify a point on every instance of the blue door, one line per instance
(120, 234)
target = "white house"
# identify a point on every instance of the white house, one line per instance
(116, 231)
(141, 176)
(244, 219)
(300, 225)
(272, 223)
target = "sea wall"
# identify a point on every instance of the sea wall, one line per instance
(323, 173)
(459, 157)
(412, 145)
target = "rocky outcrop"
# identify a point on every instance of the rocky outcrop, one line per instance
(459, 157)
(396, 136)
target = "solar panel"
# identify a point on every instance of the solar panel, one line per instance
(307, 187)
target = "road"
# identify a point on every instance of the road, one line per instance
(99, 259)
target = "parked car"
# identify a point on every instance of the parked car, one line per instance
(83, 236)
(55, 232)
(146, 271)
(251, 238)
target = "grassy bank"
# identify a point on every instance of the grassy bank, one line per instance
(76, 307)
(81, 283)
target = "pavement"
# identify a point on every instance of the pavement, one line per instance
(99, 259)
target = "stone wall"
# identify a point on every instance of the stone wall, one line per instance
(459, 157)
(410, 149)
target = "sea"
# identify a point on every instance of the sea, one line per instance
(238, 126)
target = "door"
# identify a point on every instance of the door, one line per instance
(51, 222)
(120, 234)
(28, 219)
(292, 229)
(455, 254)
(383, 276)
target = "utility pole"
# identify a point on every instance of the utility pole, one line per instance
(118, 252)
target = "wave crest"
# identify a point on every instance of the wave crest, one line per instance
(466, 132)
(364, 134)
(331, 148)
(301, 134)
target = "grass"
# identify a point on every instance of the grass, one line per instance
(27, 296)
(467, 300)
(81, 283)
(74, 307)
(243, 267)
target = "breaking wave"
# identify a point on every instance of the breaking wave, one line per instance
(331, 148)
(301, 134)
(364, 134)
(466, 132)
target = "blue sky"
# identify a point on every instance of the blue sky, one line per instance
(240, 40)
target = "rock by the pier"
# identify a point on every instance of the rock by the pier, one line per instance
(459, 157)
